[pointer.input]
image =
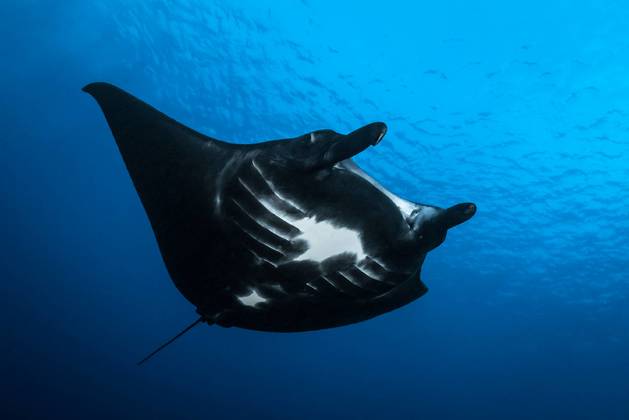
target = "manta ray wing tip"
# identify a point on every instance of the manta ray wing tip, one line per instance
(96, 87)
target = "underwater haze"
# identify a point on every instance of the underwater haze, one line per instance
(521, 107)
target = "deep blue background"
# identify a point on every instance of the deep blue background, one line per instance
(521, 107)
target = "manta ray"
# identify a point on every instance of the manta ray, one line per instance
(284, 235)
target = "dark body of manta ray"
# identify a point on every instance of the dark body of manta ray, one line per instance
(284, 235)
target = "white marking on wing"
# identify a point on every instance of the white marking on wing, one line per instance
(272, 188)
(406, 207)
(258, 239)
(329, 281)
(312, 286)
(252, 299)
(381, 264)
(262, 223)
(248, 188)
(263, 259)
(267, 204)
(324, 239)
(368, 272)
(349, 279)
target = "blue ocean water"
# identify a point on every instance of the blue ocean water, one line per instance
(521, 107)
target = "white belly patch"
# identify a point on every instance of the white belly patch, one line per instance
(324, 239)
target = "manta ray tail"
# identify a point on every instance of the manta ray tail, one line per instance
(161, 347)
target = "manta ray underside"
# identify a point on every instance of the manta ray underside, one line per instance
(284, 235)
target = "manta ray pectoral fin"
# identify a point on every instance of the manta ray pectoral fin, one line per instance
(157, 150)
(330, 147)
(170, 165)
(166, 160)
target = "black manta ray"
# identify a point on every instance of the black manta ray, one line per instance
(284, 235)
